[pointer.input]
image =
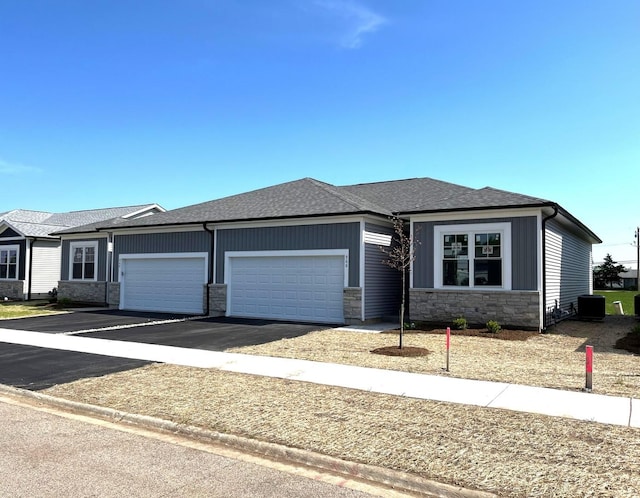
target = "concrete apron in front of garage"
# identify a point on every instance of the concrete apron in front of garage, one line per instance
(553, 402)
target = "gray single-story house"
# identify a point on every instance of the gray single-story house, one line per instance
(628, 280)
(310, 251)
(30, 256)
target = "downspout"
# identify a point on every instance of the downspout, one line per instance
(30, 274)
(210, 272)
(109, 268)
(544, 265)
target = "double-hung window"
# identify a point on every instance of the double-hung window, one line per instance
(9, 262)
(84, 261)
(473, 256)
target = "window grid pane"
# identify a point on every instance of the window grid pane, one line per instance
(83, 265)
(484, 268)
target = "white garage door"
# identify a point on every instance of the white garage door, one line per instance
(169, 284)
(301, 288)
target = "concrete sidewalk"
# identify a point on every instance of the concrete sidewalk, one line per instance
(553, 402)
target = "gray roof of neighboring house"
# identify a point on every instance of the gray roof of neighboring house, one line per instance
(308, 198)
(43, 224)
(629, 274)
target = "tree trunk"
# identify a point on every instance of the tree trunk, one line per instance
(402, 311)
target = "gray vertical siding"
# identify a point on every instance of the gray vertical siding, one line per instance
(149, 243)
(568, 267)
(423, 262)
(8, 232)
(524, 250)
(382, 284)
(102, 257)
(22, 257)
(524, 253)
(292, 238)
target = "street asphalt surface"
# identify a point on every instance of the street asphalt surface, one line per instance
(46, 454)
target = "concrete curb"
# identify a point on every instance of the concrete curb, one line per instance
(400, 481)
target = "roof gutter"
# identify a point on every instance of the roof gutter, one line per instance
(544, 264)
(31, 242)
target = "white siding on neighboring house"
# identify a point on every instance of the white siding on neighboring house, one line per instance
(568, 267)
(46, 266)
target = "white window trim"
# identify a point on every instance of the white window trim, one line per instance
(17, 249)
(440, 230)
(72, 247)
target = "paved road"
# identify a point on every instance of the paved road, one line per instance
(44, 454)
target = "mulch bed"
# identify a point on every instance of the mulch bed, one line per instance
(408, 351)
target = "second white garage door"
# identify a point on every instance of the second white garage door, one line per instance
(163, 283)
(300, 288)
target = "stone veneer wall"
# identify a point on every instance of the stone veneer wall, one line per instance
(217, 299)
(13, 289)
(509, 308)
(352, 305)
(113, 294)
(82, 292)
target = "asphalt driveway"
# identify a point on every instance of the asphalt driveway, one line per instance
(36, 368)
(85, 320)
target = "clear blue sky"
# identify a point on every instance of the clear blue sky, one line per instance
(113, 102)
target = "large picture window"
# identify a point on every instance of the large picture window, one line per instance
(9, 262)
(473, 256)
(84, 261)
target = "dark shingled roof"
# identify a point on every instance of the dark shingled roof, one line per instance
(306, 197)
(311, 198)
(404, 196)
(484, 198)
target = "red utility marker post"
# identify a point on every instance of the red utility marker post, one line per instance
(589, 365)
(448, 346)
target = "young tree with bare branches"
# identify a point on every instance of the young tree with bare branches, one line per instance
(400, 255)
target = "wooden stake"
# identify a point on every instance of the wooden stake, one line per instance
(589, 368)
(448, 346)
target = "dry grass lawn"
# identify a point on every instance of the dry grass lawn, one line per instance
(556, 359)
(510, 454)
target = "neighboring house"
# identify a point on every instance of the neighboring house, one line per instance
(628, 280)
(30, 256)
(310, 251)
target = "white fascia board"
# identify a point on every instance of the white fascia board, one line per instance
(323, 220)
(140, 212)
(156, 229)
(85, 236)
(475, 215)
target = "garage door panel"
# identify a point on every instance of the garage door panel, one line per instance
(288, 287)
(171, 284)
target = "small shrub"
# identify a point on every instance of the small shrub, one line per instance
(460, 323)
(64, 302)
(493, 326)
